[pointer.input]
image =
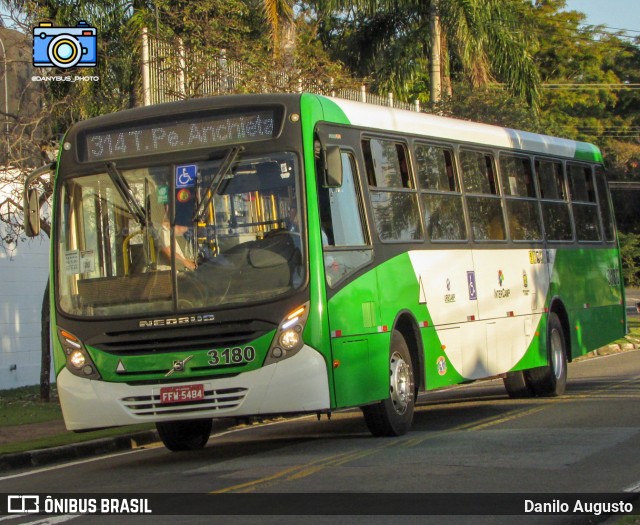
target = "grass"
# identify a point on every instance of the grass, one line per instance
(22, 406)
(628, 520)
(634, 329)
(68, 438)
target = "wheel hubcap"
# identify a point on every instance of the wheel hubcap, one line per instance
(557, 350)
(401, 385)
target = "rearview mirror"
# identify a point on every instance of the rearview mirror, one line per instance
(32, 213)
(31, 201)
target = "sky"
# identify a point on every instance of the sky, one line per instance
(620, 14)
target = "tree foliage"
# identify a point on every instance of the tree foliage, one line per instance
(390, 42)
(586, 69)
(630, 255)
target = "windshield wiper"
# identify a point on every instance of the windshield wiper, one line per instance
(125, 192)
(216, 181)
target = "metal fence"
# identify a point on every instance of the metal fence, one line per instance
(171, 72)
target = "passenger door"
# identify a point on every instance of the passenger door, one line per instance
(352, 305)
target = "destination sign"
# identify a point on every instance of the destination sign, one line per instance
(178, 135)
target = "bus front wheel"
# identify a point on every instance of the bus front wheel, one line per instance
(551, 380)
(393, 416)
(185, 435)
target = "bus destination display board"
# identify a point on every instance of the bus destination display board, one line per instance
(181, 135)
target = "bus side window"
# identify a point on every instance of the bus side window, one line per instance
(555, 208)
(522, 207)
(393, 196)
(343, 225)
(485, 207)
(386, 164)
(341, 211)
(441, 197)
(605, 205)
(583, 202)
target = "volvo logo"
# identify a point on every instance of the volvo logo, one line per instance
(179, 366)
(175, 321)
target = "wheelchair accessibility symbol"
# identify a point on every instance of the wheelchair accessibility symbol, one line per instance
(186, 175)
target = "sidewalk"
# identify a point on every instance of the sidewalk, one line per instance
(80, 450)
(52, 454)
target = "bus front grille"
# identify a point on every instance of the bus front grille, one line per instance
(214, 400)
(175, 339)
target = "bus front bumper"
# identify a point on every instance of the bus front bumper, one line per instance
(297, 384)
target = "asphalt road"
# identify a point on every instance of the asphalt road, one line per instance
(467, 439)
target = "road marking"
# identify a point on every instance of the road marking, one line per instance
(297, 472)
(72, 464)
(13, 517)
(280, 474)
(140, 448)
(632, 488)
(506, 418)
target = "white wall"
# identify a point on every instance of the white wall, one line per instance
(23, 278)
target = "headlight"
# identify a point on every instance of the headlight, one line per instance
(288, 339)
(79, 361)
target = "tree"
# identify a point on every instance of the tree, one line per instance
(43, 112)
(282, 29)
(630, 258)
(206, 29)
(586, 69)
(394, 41)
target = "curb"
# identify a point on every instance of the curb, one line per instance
(96, 447)
(47, 456)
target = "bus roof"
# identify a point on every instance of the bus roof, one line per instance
(437, 127)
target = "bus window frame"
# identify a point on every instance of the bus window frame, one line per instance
(599, 172)
(452, 148)
(363, 213)
(593, 203)
(491, 153)
(516, 198)
(565, 188)
(405, 143)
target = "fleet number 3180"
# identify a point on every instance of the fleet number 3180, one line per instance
(231, 356)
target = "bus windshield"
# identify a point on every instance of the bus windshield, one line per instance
(180, 237)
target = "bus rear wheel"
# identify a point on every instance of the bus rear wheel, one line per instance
(393, 416)
(517, 386)
(551, 380)
(192, 434)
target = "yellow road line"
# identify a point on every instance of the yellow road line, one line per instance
(278, 475)
(504, 419)
(297, 472)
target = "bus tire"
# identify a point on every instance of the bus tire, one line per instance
(517, 386)
(393, 416)
(551, 380)
(192, 434)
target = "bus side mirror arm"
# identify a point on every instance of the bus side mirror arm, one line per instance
(31, 201)
(333, 167)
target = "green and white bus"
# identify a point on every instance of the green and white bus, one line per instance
(275, 254)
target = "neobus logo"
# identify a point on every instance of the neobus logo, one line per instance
(173, 321)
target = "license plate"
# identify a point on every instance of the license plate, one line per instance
(181, 394)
